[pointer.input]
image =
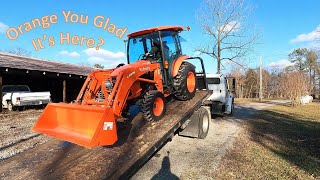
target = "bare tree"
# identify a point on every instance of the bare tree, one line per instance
(295, 85)
(230, 37)
(251, 84)
(18, 51)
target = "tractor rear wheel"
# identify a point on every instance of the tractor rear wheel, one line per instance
(185, 82)
(153, 106)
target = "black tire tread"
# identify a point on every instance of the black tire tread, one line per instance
(179, 82)
(147, 105)
(202, 112)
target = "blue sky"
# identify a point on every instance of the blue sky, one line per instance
(283, 25)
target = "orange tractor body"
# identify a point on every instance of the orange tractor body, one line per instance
(107, 94)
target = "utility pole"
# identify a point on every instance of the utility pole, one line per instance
(260, 89)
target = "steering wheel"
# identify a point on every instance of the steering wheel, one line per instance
(145, 56)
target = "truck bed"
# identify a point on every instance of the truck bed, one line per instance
(137, 142)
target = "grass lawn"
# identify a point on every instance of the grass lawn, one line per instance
(278, 143)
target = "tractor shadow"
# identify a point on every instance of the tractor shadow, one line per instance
(291, 138)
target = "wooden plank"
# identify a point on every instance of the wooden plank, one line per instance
(60, 160)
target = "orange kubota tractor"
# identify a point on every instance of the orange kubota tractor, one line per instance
(156, 69)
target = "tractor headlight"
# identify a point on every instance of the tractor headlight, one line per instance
(109, 85)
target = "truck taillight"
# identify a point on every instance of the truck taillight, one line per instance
(18, 98)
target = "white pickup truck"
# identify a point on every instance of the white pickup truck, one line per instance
(19, 96)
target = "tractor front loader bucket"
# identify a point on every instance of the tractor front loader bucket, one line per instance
(85, 125)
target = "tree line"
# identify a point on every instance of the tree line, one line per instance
(299, 79)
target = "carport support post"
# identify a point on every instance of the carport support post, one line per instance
(1, 92)
(64, 92)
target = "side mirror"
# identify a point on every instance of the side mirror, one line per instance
(232, 85)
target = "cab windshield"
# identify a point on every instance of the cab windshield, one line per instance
(140, 45)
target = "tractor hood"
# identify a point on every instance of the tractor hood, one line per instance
(141, 65)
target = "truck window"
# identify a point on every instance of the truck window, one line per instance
(213, 80)
(15, 89)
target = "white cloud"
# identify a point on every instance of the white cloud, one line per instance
(105, 57)
(313, 35)
(3, 27)
(231, 26)
(283, 63)
(71, 54)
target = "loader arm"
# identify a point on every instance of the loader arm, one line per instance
(126, 77)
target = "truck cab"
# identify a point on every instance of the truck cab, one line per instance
(222, 98)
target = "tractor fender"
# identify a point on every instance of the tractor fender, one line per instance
(177, 63)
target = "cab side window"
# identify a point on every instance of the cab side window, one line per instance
(170, 48)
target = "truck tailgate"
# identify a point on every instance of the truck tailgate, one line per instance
(137, 142)
(29, 96)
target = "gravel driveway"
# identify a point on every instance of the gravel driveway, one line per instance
(188, 158)
(15, 132)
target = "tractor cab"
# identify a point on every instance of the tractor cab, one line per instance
(159, 45)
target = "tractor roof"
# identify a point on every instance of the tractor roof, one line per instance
(159, 28)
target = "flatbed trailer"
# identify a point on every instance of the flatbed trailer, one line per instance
(138, 141)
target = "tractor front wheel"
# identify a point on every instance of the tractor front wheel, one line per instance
(153, 106)
(185, 82)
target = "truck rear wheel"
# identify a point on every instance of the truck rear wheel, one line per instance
(185, 82)
(204, 122)
(153, 106)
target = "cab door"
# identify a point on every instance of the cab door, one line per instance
(171, 50)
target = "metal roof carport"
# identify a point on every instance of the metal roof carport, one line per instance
(63, 80)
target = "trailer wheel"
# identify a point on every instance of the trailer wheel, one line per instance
(153, 106)
(204, 122)
(185, 82)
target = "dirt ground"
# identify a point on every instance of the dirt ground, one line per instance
(15, 132)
